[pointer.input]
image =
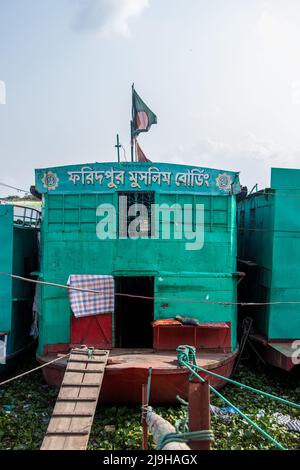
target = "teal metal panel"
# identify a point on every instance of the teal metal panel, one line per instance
(108, 177)
(18, 255)
(285, 178)
(271, 238)
(6, 253)
(70, 246)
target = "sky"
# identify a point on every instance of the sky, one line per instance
(223, 77)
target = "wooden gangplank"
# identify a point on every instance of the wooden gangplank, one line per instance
(73, 414)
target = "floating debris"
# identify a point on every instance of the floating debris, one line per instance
(110, 428)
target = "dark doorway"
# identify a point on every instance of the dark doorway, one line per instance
(134, 315)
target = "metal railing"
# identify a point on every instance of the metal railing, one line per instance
(27, 216)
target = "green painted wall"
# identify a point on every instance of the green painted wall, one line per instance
(17, 256)
(271, 238)
(6, 250)
(70, 246)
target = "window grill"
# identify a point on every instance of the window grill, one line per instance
(130, 202)
(27, 216)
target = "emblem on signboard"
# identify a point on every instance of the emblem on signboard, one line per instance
(50, 180)
(224, 181)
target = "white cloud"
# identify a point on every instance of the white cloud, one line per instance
(250, 156)
(109, 16)
(274, 31)
(279, 37)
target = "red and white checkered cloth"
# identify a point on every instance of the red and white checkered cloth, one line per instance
(84, 304)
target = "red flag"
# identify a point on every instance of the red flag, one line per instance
(140, 156)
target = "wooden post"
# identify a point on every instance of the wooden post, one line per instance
(144, 423)
(199, 412)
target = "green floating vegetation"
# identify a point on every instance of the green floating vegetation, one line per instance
(26, 406)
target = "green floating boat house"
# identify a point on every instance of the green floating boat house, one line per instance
(164, 277)
(269, 253)
(19, 256)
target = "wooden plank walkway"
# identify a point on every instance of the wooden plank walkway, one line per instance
(73, 414)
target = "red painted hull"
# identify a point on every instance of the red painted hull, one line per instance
(278, 353)
(126, 373)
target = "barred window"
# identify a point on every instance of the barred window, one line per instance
(130, 203)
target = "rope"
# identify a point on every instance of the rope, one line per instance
(164, 432)
(249, 420)
(13, 187)
(52, 284)
(90, 352)
(182, 401)
(186, 437)
(185, 352)
(182, 425)
(158, 299)
(252, 389)
(33, 370)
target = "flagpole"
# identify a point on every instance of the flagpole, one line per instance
(118, 146)
(131, 139)
(131, 124)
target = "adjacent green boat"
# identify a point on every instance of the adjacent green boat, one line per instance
(269, 252)
(18, 255)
